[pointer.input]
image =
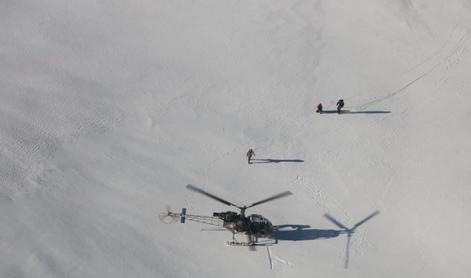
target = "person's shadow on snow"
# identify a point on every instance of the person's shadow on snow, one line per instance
(268, 160)
(356, 112)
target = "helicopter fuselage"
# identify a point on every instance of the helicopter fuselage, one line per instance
(254, 224)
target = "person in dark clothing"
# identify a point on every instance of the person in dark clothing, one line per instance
(250, 153)
(340, 105)
(319, 108)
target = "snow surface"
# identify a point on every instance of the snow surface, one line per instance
(109, 108)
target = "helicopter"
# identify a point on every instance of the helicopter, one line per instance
(254, 226)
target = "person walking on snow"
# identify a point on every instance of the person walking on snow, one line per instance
(250, 153)
(319, 108)
(340, 105)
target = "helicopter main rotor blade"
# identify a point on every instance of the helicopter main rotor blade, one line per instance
(274, 197)
(366, 219)
(199, 190)
(337, 223)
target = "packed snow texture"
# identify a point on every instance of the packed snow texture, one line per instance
(109, 108)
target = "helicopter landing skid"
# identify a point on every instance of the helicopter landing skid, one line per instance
(266, 242)
(238, 243)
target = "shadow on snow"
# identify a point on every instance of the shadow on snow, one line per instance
(302, 232)
(267, 160)
(356, 112)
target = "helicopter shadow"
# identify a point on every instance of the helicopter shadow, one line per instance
(295, 232)
(356, 112)
(268, 160)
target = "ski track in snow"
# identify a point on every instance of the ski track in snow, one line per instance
(445, 59)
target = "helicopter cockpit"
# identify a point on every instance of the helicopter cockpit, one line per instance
(260, 225)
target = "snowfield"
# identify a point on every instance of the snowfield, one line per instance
(109, 108)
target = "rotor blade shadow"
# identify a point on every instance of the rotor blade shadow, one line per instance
(294, 232)
(350, 231)
(366, 219)
(268, 160)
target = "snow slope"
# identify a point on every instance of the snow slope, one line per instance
(108, 109)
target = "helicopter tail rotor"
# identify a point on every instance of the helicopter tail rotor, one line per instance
(183, 215)
(167, 216)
